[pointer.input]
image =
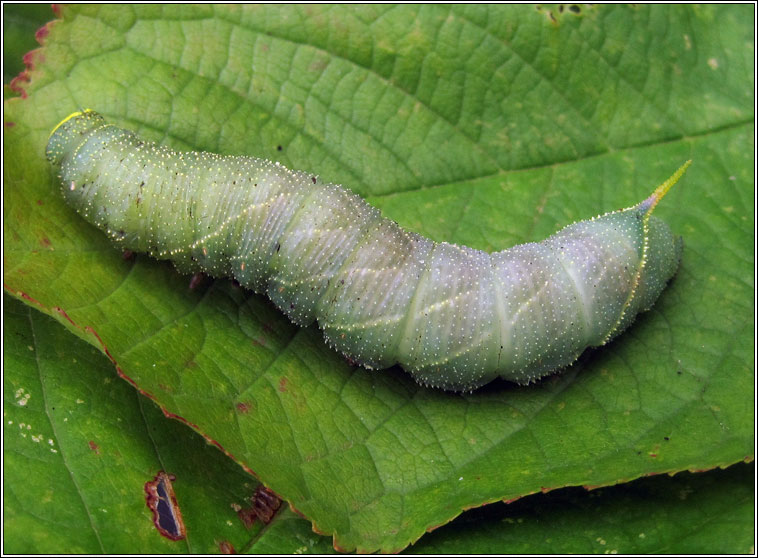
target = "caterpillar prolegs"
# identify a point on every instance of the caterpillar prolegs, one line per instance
(452, 316)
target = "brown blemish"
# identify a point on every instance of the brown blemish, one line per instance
(243, 408)
(94, 447)
(160, 498)
(247, 516)
(62, 312)
(265, 503)
(283, 384)
(46, 242)
(225, 547)
(336, 545)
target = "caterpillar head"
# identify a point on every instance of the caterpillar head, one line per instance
(81, 137)
(67, 135)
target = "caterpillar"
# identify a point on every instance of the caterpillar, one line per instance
(453, 317)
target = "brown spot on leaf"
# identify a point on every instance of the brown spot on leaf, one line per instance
(94, 447)
(283, 384)
(247, 516)
(160, 498)
(166, 388)
(243, 407)
(265, 503)
(225, 547)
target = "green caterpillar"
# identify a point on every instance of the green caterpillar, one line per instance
(452, 316)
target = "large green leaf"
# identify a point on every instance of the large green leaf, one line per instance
(91, 443)
(483, 125)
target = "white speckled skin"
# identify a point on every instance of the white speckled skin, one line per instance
(452, 316)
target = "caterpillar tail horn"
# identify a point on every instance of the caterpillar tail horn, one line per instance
(649, 204)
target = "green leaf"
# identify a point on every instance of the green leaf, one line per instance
(483, 125)
(706, 513)
(709, 513)
(95, 466)
(80, 446)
